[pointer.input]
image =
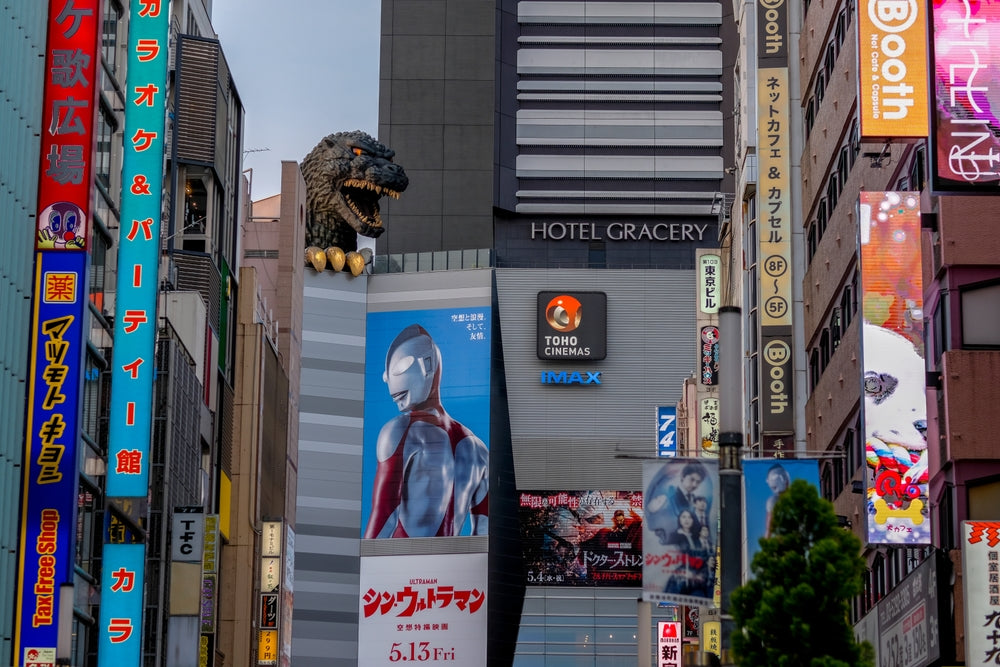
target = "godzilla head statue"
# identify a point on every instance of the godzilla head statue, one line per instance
(346, 175)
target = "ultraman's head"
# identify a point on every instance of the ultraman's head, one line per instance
(412, 368)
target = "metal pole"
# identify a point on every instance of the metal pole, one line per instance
(730, 473)
(644, 617)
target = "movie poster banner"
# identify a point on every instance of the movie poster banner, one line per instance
(965, 148)
(427, 423)
(581, 538)
(680, 530)
(894, 410)
(764, 480)
(426, 609)
(980, 567)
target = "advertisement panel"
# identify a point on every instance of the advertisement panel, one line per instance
(764, 480)
(130, 421)
(908, 623)
(427, 399)
(777, 417)
(894, 410)
(709, 357)
(121, 604)
(965, 148)
(709, 273)
(581, 538)
(69, 110)
(680, 530)
(666, 430)
(981, 589)
(49, 502)
(423, 609)
(893, 77)
(572, 325)
(709, 420)
(668, 644)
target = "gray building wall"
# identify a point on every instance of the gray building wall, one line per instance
(328, 507)
(436, 104)
(22, 50)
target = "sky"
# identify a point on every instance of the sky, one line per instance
(303, 69)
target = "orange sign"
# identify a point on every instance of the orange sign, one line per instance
(892, 40)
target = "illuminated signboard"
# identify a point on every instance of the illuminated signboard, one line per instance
(427, 388)
(666, 430)
(423, 609)
(67, 147)
(668, 644)
(48, 531)
(129, 427)
(121, 604)
(965, 148)
(581, 538)
(893, 75)
(680, 530)
(47, 541)
(709, 357)
(709, 267)
(775, 209)
(572, 325)
(980, 565)
(894, 410)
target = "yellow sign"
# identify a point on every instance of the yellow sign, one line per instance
(775, 197)
(712, 640)
(267, 647)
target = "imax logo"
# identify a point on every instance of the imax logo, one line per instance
(564, 377)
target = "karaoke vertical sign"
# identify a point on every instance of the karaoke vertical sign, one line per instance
(129, 429)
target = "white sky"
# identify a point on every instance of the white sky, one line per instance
(304, 69)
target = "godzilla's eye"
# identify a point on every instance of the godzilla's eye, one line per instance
(357, 151)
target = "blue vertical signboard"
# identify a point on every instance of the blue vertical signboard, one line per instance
(47, 540)
(129, 428)
(666, 431)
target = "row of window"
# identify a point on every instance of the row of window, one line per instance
(829, 339)
(846, 157)
(825, 73)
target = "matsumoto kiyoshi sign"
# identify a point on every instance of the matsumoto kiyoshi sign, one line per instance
(617, 231)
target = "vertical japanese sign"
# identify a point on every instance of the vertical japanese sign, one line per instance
(138, 252)
(708, 418)
(49, 486)
(709, 355)
(894, 409)
(708, 283)
(48, 525)
(129, 427)
(121, 604)
(668, 644)
(775, 224)
(893, 79)
(965, 155)
(981, 588)
(666, 430)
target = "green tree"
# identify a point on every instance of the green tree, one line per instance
(794, 612)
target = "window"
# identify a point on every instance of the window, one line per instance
(814, 370)
(835, 329)
(106, 127)
(812, 241)
(109, 35)
(981, 315)
(918, 173)
(810, 116)
(824, 349)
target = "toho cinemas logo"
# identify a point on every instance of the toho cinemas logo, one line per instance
(571, 326)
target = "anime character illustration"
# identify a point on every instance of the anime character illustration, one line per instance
(778, 480)
(61, 226)
(432, 472)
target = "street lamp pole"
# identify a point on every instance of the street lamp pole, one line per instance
(730, 473)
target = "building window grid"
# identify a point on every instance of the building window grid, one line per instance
(825, 73)
(836, 182)
(830, 336)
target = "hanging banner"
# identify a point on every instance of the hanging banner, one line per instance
(680, 530)
(764, 480)
(894, 410)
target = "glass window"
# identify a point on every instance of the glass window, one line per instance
(109, 35)
(981, 315)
